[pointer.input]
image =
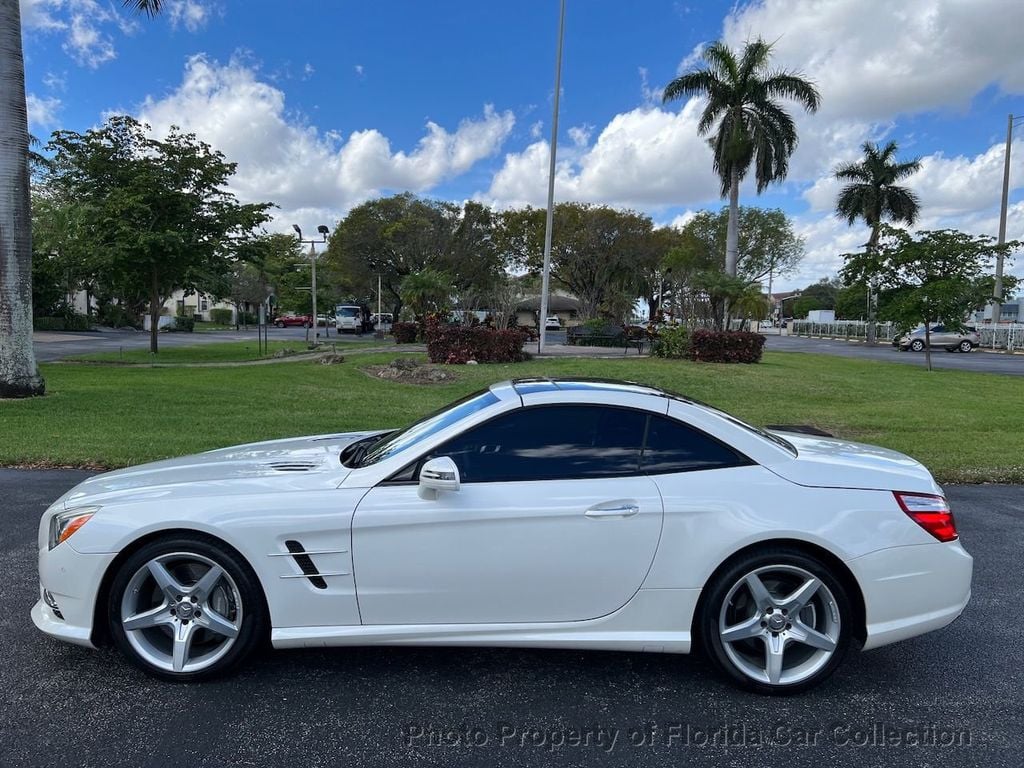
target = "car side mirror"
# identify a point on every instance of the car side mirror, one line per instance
(438, 474)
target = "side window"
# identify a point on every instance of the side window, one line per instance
(675, 447)
(549, 443)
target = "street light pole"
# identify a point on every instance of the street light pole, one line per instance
(997, 305)
(312, 260)
(548, 224)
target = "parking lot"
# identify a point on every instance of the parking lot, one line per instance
(951, 698)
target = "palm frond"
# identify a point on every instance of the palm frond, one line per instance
(792, 85)
(722, 61)
(149, 7)
(700, 83)
(901, 204)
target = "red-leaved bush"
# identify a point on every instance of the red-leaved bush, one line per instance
(457, 344)
(726, 346)
(405, 333)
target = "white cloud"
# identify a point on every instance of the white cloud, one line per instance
(300, 168)
(580, 134)
(39, 14)
(875, 59)
(42, 111)
(359, 69)
(86, 41)
(537, 129)
(952, 186)
(646, 158)
(190, 14)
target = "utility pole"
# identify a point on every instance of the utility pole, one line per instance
(546, 274)
(323, 231)
(997, 305)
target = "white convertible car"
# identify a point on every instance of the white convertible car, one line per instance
(543, 513)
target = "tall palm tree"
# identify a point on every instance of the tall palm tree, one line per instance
(872, 194)
(752, 128)
(19, 376)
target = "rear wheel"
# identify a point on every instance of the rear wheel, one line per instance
(279, 324)
(185, 609)
(777, 622)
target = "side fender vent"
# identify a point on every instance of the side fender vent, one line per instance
(305, 562)
(293, 466)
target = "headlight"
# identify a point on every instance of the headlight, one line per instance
(64, 524)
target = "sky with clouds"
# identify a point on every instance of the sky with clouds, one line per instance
(326, 104)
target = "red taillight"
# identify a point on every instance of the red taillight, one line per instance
(930, 512)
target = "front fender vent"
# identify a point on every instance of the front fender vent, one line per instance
(305, 562)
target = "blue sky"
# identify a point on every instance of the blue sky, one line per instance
(324, 104)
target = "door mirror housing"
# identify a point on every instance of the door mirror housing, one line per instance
(438, 474)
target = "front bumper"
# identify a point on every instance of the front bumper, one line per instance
(73, 580)
(911, 590)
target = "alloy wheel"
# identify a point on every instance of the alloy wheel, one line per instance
(779, 625)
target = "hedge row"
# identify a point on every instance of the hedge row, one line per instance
(405, 333)
(70, 323)
(457, 344)
(726, 346)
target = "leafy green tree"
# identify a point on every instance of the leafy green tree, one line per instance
(427, 292)
(19, 376)
(155, 212)
(939, 276)
(767, 242)
(742, 95)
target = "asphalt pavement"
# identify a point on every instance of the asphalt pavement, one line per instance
(951, 698)
(50, 346)
(977, 360)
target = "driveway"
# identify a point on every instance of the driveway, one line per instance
(978, 360)
(952, 698)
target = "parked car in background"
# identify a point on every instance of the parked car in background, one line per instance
(384, 318)
(325, 320)
(951, 341)
(290, 320)
(553, 324)
(349, 318)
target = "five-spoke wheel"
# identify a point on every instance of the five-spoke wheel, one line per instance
(185, 609)
(777, 622)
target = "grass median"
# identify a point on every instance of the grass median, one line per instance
(216, 352)
(964, 426)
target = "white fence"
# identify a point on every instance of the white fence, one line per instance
(842, 329)
(1009, 336)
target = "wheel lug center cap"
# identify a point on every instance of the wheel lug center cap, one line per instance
(776, 621)
(185, 609)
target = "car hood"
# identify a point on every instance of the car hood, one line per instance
(832, 463)
(304, 463)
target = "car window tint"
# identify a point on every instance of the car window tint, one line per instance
(550, 442)
(672, 446)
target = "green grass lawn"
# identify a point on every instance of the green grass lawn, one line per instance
(965, 426)
(219, 352)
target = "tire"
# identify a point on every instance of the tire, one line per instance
(965, 345)
(217, 622)
(279, 324)
(740, 623)
(917, 345)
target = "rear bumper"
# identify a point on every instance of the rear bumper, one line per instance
(911, 590)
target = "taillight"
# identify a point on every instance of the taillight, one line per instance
(929, 511)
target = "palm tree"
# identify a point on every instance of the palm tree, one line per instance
(19, 376)
(752, 128)
(873, 194)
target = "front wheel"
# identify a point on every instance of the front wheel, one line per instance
(185, 609)
(776, 622)
(917, 345)
(966, 346)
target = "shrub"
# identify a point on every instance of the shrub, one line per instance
(116, 316)
(69, 322)
(726, 346)
(672, 342)
(184, 323)
(405, 333)
(220, 316)
(456, 344)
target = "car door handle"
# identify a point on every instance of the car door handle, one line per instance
(620, 510)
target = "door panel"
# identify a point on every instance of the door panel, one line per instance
(504, 551)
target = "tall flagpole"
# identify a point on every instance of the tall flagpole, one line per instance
(546, 275)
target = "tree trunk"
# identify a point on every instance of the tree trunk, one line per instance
(870, 333)
(732, 234)
(19, 376)
(154, 310)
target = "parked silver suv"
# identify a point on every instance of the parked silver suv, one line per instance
(951, 341)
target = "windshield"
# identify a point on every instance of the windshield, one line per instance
(347, 311)
(396, 442)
